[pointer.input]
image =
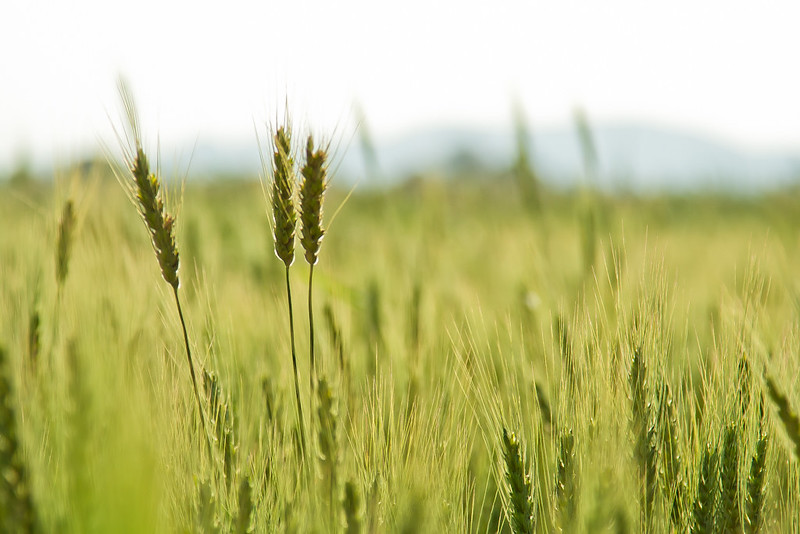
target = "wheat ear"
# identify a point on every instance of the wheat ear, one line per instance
(65, 228)
(566, 483)
(729, 510)
(706, 500)
(669, 445)
(520, 488)
(754, 500)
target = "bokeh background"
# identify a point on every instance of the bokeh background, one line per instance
(678, 94)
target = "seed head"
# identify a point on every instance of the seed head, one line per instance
(149, 197)
(283, 183)
(312, 191)
(520, 487)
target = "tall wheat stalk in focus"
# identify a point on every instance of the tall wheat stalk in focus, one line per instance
(144, 188)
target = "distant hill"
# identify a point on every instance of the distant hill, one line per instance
(637, 157)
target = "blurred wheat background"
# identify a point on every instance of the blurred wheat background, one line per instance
(539, 281)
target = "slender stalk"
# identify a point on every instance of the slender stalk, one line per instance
(300, 419)
(312, 375)
(312, 193)
(192, 373)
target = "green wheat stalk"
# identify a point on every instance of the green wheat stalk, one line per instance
(284, 219)
(146, 192)
(312, 192)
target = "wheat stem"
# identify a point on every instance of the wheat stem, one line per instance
(192, 373)
(312, 192)
(300, 419)
(312, 375)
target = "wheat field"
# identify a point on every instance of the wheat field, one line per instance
(582, 363)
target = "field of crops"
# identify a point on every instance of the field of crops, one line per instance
(484, 363)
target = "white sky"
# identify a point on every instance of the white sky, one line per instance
(208, 70)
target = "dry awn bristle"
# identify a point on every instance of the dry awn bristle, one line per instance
(312, 191)
(283, 182)
(160, 224)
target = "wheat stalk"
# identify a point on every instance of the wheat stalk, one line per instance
(312, 192)
(284, 220)
(148, 196)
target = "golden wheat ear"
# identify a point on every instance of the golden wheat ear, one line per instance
(149, 195)
(283, 186)
(144, 188)
(312, 192)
